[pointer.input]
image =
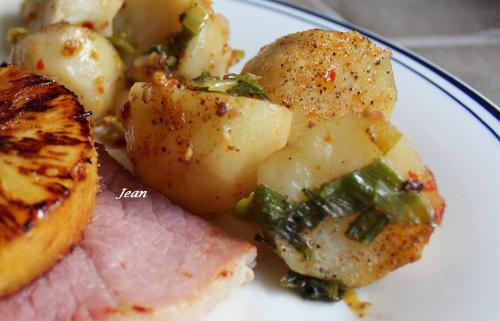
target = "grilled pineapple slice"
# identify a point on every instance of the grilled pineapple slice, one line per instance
(48, 175)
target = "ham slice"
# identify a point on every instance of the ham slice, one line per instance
(140, 259)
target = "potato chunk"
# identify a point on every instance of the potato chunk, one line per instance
(94, 14)
(201, 149)
(324, 74)
(150, 22)
(324, 153)
(78, 58)
(146, 24)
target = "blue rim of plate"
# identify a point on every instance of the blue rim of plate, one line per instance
(467, 90)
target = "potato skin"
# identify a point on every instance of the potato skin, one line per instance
(96, 14)
(322, 74)
(327, 151)
(201, 149)
(78, 58)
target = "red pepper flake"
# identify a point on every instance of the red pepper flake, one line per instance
(413, 176)
(100, 89)
(331, 74)
(40, 65)
(221, 109)
(88, 24)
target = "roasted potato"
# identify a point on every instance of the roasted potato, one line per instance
(201, 149)
(327, 151)
(94, 14)
(78, 58)
(148, 25)
(322, 74)
(150, 22)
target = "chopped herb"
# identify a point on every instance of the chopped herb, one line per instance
(121, 44)
(244, 88)
(384, 135)
(279, 217)
(373, 188)
(312, 288)
(194, 19)
(232, 84)
(367, 226)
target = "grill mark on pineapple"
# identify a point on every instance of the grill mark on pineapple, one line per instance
(9, 225)
(40, 104)
(25, 216)
(28, 147)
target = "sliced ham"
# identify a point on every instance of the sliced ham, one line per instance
(141, 259)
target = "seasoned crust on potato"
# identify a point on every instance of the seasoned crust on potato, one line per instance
(324, 153)
(322, 74)
(201, 149)
(354, 263)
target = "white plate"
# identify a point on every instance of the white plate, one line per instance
(457, 132)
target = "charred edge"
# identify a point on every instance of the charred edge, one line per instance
(36, 100)
(84, 115)
(28, 226)
(30, 147)
(57, 189)
(141, 309)
(39, 104)
(9, 226)
(19, 80)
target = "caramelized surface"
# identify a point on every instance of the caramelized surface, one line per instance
(48, 175)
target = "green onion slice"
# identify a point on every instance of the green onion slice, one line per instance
(232, 84)
(121, 44)
(372, 190)
(367, 226)
(312, 288)
(194, 19)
